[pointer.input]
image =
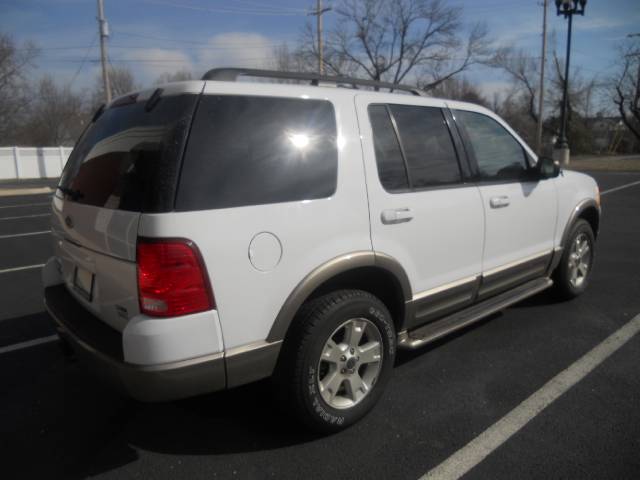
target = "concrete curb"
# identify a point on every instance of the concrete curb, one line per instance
(15, 192)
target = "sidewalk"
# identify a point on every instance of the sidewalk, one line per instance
(612, 163)
(29, 186)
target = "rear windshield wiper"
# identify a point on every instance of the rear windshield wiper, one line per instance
(73, 194)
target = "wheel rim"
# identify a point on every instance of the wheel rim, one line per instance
(350, 363)
(579, 260)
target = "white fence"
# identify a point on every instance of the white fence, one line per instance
(32, 162)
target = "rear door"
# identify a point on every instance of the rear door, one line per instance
(124, 164)
(520, 210)
(423, 212)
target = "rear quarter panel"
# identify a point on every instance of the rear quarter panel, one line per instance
(311, 232)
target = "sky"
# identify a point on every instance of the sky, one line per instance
(156, 36)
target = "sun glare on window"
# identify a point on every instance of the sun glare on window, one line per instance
(299, 140)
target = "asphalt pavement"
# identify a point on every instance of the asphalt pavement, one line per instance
(57, 421)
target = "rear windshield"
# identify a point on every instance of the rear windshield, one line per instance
(248, 150)
(129, 159)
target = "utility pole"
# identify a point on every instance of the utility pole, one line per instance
(636, 54)
(543, 62)
(566, 8)
(104, 34)
(318, 13)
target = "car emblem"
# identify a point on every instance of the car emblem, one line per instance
(68, 222)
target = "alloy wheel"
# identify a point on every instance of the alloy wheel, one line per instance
(579, 260)
(350, 363)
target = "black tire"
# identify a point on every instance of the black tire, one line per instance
(563, 286)
(299, 367)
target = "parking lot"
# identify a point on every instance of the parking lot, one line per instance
(57, 421)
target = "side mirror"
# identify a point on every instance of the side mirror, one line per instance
(547, 167)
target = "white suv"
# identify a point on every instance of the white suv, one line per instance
(213, 233)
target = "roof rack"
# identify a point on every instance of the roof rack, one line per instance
(232, 74)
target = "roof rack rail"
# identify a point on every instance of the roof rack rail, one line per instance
(232, 74)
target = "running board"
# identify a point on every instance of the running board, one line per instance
(433, 331)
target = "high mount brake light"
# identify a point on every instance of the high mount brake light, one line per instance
(172, 279)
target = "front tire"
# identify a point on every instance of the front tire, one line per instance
(572, 276)
(337, 359)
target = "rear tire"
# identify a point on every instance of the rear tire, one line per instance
(337, 359)
(572, 275)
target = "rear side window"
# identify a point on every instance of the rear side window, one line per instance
(499, 156)
(391, 167)
(130, 157)
(246, 150)
(427, 144)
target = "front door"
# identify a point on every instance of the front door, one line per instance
(520, 211)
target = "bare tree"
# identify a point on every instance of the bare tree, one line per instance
(519, 107)
(460, 89)
(15, 65)
(286, 60)
(55, 117)
(624, 86)
(580, 89)
(179, 76)
(522, 69)
(473, 50)
(391, 39)
(579, 104)
(122, 81)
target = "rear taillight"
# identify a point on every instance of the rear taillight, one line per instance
(172, 279)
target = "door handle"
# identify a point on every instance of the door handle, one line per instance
(396, 215)
(499, 202)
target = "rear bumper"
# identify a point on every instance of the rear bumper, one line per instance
(100, 347)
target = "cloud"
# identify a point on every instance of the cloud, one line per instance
(236, 49)
(148, 64)
(602, 23)
(233, 49)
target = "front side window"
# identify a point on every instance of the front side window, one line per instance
(249, 150)
(499, 156)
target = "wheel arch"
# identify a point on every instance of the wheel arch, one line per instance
(587, 210)
(376, 273)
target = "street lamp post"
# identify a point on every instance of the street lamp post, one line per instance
(567, 8)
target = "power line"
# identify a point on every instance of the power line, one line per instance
(84, 60)
(216, 46)
(130, 60)
(274, 7)
(153, 37)
(231, 10)
(167, 39)
(231, 46)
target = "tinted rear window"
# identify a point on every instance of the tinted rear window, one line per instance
(391, 167)
(130, 157)
(246, 150)
(430, 154)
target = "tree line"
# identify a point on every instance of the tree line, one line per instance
(423, 43)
